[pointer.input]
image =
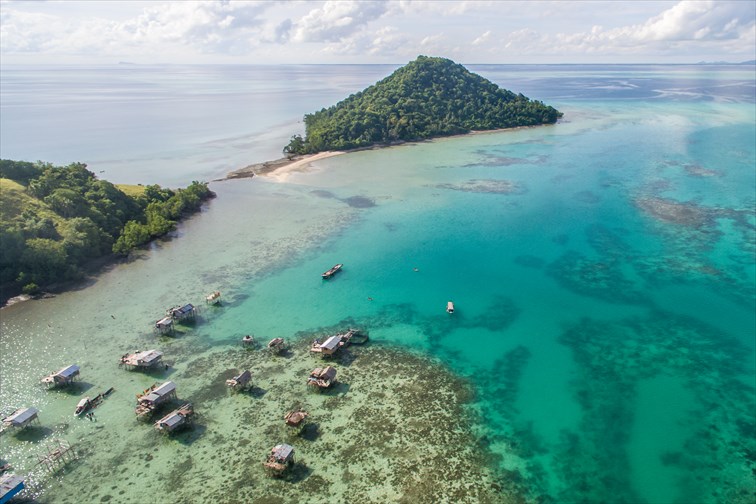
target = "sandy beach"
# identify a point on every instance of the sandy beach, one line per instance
(280, 169)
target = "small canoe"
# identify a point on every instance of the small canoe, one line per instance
(332, 271)
(449, 307)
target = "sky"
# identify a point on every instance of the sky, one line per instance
(381, 31)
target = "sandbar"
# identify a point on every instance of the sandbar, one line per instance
(280, 169)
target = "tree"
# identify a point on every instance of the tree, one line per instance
(134, 234)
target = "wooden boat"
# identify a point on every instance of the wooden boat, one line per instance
(83, 406)
(87, 404)
(449, 307)
(328, 274)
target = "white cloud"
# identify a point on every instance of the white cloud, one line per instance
(378, 31)
(337, 19)
(482, 39)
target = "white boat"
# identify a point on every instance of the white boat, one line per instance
(83, 406)
(449, 307)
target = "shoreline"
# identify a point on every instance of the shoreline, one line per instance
(280, 169)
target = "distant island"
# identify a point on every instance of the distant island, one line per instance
(57, 221)
(429, 97)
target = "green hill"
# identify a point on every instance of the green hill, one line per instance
(55, 220)
(426, 98)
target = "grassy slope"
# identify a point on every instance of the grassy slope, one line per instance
(131, 190)
(14, 200)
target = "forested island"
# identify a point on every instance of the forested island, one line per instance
(55, 220)
(429, 97)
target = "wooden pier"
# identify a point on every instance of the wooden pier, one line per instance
(59, 453)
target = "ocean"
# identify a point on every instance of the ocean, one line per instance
(602, 348)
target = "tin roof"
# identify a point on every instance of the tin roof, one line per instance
(69, 372)
(331, 343)
(10, 485)
(282, 451)
(187, 308)
(148, 356)
(171, 420)
(328, 373)
(165, 321)
(21, 416)
(165, 388)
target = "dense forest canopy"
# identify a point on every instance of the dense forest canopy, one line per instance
(426, 98)
(55, 219)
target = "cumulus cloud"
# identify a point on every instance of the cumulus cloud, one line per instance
(698, 25)
(381, 30)
(205, 25)
(338, 19)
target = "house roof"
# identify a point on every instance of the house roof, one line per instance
(148, 356)
(171, 420)
(282, 451)
(165, 388)
(165, 321)
(187, 308)
(69, 372)
(331, 343)
(21, 416)
(328, 373)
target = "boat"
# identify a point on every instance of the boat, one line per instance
(332, 271)
(83, 406)
(449, 307)
(87, 404)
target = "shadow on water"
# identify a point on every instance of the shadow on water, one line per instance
(190, 435)
(33, 434)
(298, 473)
(310, 432)
(76, 388)
(164, 371)
(256, 392)
(338, 388)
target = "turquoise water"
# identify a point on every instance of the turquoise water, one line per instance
(602, 271)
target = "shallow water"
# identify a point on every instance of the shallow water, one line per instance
(603, 275)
